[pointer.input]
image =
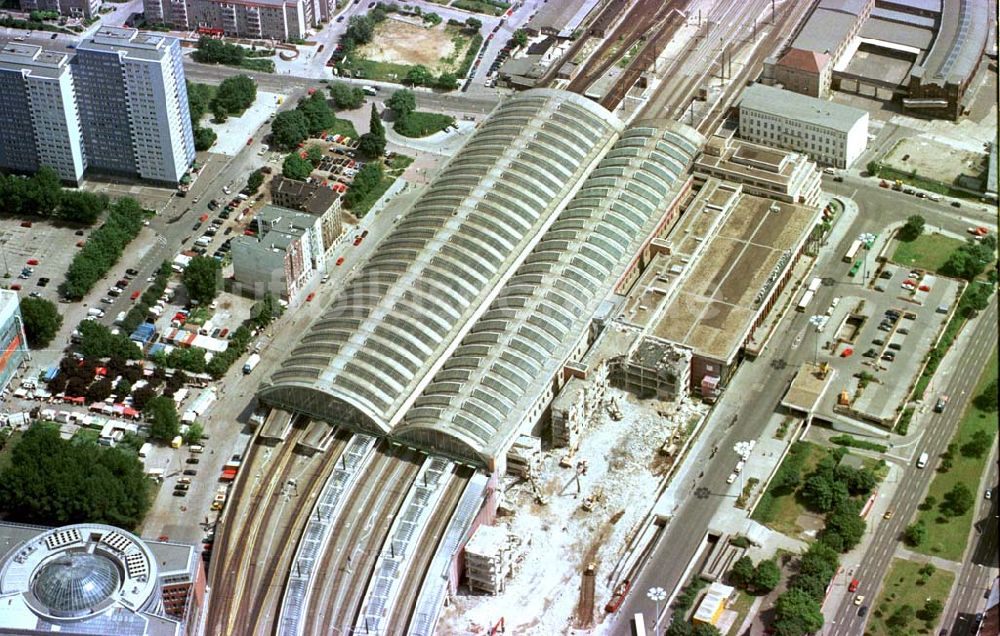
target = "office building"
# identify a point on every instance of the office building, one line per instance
(86, 9)
(806, 72)
(828, 133)
(92, 578)
(13, 344)
(39, 119)
(272, 19)
(319, 201)
(133, 104)
(282, 256)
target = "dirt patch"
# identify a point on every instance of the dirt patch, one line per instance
(399, 42)
(936, 160)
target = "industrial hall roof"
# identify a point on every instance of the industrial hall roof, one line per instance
(394, 324)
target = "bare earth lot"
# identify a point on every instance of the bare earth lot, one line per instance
(935, 160)
(401, 42)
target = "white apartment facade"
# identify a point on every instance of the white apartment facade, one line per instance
(270, 19)
(39, 118)
(828, 133)
(72, 8)
(134, 105)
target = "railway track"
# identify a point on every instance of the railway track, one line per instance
(253, 505)
(346, 564)
(630, 30)
(423, 552)
(262, 614)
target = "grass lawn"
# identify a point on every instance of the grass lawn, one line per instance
(741, 606)
(343, 127)
(928, 251)
(929, 185)
(782, 515)
(904, 586)
(948, 539)
(398, 164)
(481, 6)
(85, 436)
(421, 124)
(370, 69)
(365, 204)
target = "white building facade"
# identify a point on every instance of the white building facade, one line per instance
(39, 117)
(828, 133)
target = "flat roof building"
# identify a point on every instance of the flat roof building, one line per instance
(280, 259)
(39, 118)
(560, 18)
(13, 344)
(829, 133)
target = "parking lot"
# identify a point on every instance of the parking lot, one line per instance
(877, 340)
(43, 248)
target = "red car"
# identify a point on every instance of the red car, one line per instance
(853, 586)
(25, 223)
(310, 297)
(15, 287)
(340, 261)
(847, 353)
(135, 295)
(32, 261)
(883, 184)
(250, 141)
(357, 240)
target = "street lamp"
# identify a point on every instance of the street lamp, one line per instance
(817, 322)
(867, 240)
(657, 595)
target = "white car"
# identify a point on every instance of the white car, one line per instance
(731, 478)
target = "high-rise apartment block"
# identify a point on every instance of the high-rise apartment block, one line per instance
(39, 119)
(74, 8)
(273, 19)
(119, 106)
(133, 104)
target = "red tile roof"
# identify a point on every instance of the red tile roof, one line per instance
(805, 60)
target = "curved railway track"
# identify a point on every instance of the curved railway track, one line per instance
(423, 552)
(346, 564)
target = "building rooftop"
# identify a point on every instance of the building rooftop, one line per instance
(33, 60)
(904, 17)
(930, 6)
(810, 110)
(729, 247)
(897, 33)
(825, 30)
(132, 43)
(804, 60)
(852, 7)
(959, 44)
(563, 16)
(308, 197)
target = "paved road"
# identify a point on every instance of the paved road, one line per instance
(941, 427)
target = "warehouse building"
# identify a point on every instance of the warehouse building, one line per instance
(97, 579)
(828, 133)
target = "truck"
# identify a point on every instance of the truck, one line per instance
(922, 460)
(251, 363)
(144, 450)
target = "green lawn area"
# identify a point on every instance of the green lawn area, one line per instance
(365, 204)
(741, 606)
(929, 185)
(86, 435)
(343, 127)
(904, 586)
(928, 251)
(369, 69)
(481, 6)
(783, 513)
(421, 124)
(948, 539)
(398, 164)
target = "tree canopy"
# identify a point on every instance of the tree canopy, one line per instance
(345, 96)
(969, 260)
(255, 180)
(419, 75)
(372, 143)
(987, 400)
(201, 278)
(289, 128)
(402, 102)
(97, 342)
(317, 112)
(163, 421)
(103, 248)
(295, 167)
(41, 320)
(367, 179)
(957, 501)
(42, 194)
(797, 614)
(235, 94)
(915, 534)
(913, 228)
(54, 482)
(213, 51)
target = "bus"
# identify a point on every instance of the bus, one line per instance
(852, 251)
(815, 284)
(806, 299)
(638, 625)
(855, 268)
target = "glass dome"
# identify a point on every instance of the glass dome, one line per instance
(74, 583)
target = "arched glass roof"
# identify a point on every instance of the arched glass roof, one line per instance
(394, 324)
(544, 308)
(76, 583)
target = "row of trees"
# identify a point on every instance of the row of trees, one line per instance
(372, 143)
(311, 117)
(140, 310)
(261, 315)
(213, 51)
(103, 248)
(199, 102)
(969, 260)
(42, 194)
(54, 482)
(368, 179)
(756, 579)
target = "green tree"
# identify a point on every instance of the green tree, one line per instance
(314, 155)
(255, 180)
(679, 627)
(432, 19)
(204, 138)
(97, 342)
(317, 112)
(447, 82)
(295, 167)
(367, 179)
(705, 629)
(235, 95)
(931, 610)
(766, 577)
(872, 168)
(51, 481)
(194, 433)
(345, 96)
(901, 617)
(957, 501)
(915, 534)
(201, 278)
(742, 573)
(913, 228)
(796, 614)
(78, 206)
(212, 51)
(162, 416)
(99, 390)
(419, 75)
(979, 443)
(520, 37)
(41, 321)
(987, 400)
(289, 128)
(372, 143)
(846, 524)
(219, 113)
(360, 30)
(474, 23)
(402, 102)
(199, 98)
